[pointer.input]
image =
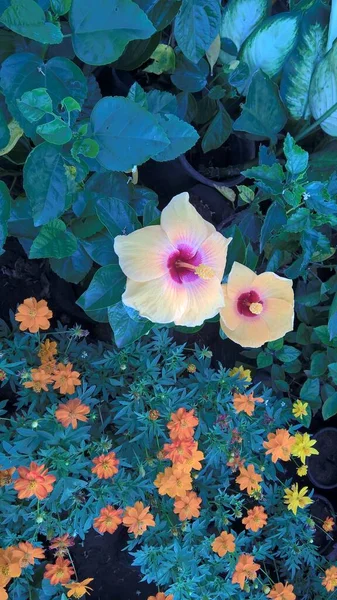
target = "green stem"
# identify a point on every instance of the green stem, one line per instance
(72, 563)
(305, 132)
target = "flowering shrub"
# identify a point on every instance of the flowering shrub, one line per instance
(193, 461)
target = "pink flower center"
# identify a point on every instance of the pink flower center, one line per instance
(183, 273)
(250, 304)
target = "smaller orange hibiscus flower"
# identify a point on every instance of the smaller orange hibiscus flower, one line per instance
(248, 479)
(34, 481)
(330, 579)
(65, 379)
(26, 553)
(33, 315)
(279, 445)
(282, 592)
(106, 465)
(137, 518)
(256, 518)
(225, 542)
(6, 476)
(179, 450)
(245, 569)
(182, 424)
(60, 572)
(61, 544)
(245, 403)
(193, 461)
(328, 524)
(109, 519)
(78, 588)
(187, 507)
(39, 380)
(71, 412)
(161, 596)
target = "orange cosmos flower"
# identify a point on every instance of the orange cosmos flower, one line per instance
(61, 544)
(328, 524)
(245, 403)
(224, 543)
(34, 481)
(39, 380)
(187, 507)
(162, 479)
(71, 412)
(161, 596)
(65, 379)
(179, 451)
(77, 589)
(256, 518)
(245, 569)
(330, 579)
(179, 482)
(9, 565)
(174, 270)
(258, 308)
(109, 519)
(182, 424)
(282, 592)
(137, 518)
(60, 572)
(3, 594)
(106, 465)
(47, 353)
(193, 461)
(279, 445)
(248, 479)
(235, 462)
(33, 315)
(26, 553)
(6, 476)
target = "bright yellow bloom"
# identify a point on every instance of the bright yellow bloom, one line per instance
(243, 373)
(303, 446)
(302, 471)
(296, 498)
(300, 409)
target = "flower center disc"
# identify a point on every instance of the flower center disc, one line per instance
(250, 304)
(184, 254)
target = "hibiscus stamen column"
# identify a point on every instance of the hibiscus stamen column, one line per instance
(203, 271)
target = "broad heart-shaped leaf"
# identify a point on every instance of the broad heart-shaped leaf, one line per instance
(190, 77)
(35, 104)
(299, 68)
(5, 208)
(160, 12)
(102, 28)
(182, 137)
(55, 132)
(268, 47)
(297, 158)
(45, 183)
(126, 133)
(196, 26)
(72, 268)
(240, 17)
(105, 289)
(329, 408)
(23, 72)
(27, 18)
(4, 131)
(275, 218)
(218, 131)
(100, 248)
(127, 325)
(117, 216)
(323, 90)
(53, 241)
(266, 123)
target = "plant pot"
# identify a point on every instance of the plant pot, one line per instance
(320, 510)
(242, 150)
(322, 469)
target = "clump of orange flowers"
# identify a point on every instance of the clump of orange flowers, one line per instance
(109, 519)
(33, 315)
(245, 403)
(176, 481)
(71, 412)
(60, 572)
(256, 518)
(245, 569)
(65, 379)
(34, 481)
(138, 518)
(330, 579)
(279, 445)
(106, 465)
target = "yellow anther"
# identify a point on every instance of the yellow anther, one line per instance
(256, 308)
(204, 272)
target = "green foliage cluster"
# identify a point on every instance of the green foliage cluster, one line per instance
(122, 387)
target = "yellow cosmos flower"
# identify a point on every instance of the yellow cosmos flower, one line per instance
(174, 270)
(258, 308)
(303, 446)
(302, 471)
(296, 498)
(299, 409)
(243, 373)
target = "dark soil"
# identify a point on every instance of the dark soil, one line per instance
(323, 468)
(320, 510)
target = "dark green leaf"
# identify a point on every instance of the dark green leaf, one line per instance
(181, 135)
(85, 227)
(329, 408)
(332, 323)
(310, 393)
(299, 221)
(287, 354)
(274, 221)
(319, 364)
(70, 104)
(27, 18)
(4, 131)
(127, 325)
(218, 131)
(73, 268)
(117, 216)
(160, 12)
(269, 178)
(189, 77)
(100, 248)
(151, 213)
(35, 104)
(53, 241)
(318, 198)
(5, 207)
(333, 371)
(297, 159)
(264, 359)
(55, 132)
(137, 94)
(236, 249)
(105, 289)
(60, 7)
(196, 26)
(161, 102)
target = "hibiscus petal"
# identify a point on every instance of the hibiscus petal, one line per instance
(143, 254)
(240, 279)
(204, 301)
(183, 224)
(161, 300)
(271, 285)
(279, 317)
(251, 333)
(214, 253)
(229, 314)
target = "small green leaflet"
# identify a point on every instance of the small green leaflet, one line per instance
(181, 135)
(35, 104)
(55, 132)
(53, 240)
(218, 131)
(297, 158)
(196, 26)
(27, 18)
(5, 207)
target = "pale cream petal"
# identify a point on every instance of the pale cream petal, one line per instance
(279, 317)
(143, 254)
(229, 314)
(160, 300)
(204, 300)
(183, 224)
(214, 253)
(240, 279)
(270, 285)
(251, 333)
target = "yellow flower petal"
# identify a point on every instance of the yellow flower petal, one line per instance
(270, 285)
(279, 317)
(230, 316)
(214, 253)
(250, 333)
(240, 279)
(183, 224)
(161, 300)
(204, 300)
